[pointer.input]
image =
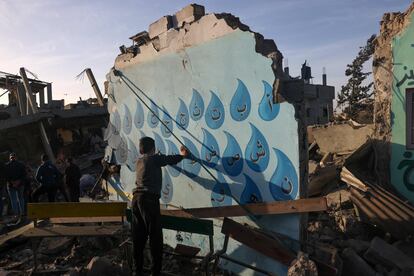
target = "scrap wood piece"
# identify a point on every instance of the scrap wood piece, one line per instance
(352, 180)
(72, 231)
(268, 208)
(267, 245)
(15, 233)
(258, 241)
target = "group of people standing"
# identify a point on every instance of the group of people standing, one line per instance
(49, 178)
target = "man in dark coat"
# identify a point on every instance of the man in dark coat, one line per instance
(48, 177)
(72, 179)
(16, 176)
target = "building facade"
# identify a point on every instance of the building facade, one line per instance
(211, 81)
(394, 85)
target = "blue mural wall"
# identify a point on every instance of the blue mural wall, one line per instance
(217, 98)
(402, 159)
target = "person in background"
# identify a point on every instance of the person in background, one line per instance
(72, 179)
(16, 176)
(146, 216)
(61, 166)
(2, 182)
(27, 190)
(48, 177)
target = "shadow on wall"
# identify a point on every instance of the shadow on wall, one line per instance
(402, 170)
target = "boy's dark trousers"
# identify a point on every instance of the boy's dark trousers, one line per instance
(146, 221)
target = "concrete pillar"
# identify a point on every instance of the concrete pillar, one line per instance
(29, 94)
(22, 99)
(29, 110)
(34, 109)
(49, 94)
(95, 87)
(42, 98)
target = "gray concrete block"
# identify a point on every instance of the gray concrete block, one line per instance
(382, 252)
(189, 14)
(160, 26)
(355, 265)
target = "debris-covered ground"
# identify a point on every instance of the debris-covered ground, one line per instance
(85, 256)
(365, 231)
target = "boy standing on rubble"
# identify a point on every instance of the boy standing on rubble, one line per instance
(146, 216)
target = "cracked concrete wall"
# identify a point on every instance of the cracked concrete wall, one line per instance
(214, 83)
(393, 53)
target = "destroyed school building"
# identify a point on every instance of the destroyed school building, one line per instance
(45, 121)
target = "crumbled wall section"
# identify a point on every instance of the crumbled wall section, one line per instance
(392, 24)
(219, 86)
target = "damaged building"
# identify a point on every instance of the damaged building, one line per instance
(215, 85)
(49, 126)
(317, 98)
(394, 86)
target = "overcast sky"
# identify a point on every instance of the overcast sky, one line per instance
(57, 39)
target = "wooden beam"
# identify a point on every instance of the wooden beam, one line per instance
(15, 233)
(258, 241)
(85, 220)
(268, 208)
(75, 209)
(72, 231)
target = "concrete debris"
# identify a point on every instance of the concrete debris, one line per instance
(50, 246)
(388, 255)
(320, 177)
(340, 138)
(102, 266)
(302, 266)
(355, 265)
(189, 14)
(160, 26)
(369, 225)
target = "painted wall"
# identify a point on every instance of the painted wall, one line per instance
(402, 160)
(217, 97)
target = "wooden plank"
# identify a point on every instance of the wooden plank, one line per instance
(268, 208)
(258, 241)
(191, 225)
(72, 231)
(15, 233)
(85, 220)
(75, 209)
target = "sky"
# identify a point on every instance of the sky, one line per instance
(57, 39)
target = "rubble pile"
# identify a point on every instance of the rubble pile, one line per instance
(368, 228)
(86, 256)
